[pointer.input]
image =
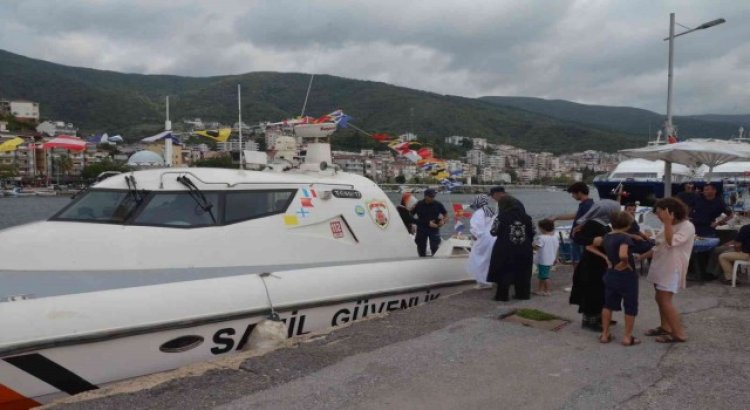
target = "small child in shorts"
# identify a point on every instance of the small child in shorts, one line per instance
(546, 246)
(620, 280)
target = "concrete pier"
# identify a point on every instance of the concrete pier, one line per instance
(455, 353)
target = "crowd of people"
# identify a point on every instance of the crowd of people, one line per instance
(607, 243)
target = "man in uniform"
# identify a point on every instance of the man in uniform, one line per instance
(430, 215)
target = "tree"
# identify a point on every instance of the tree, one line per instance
(66, 164)
(8, 171)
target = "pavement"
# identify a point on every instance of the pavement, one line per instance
(456, 353)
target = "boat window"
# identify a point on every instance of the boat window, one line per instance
(634, 175)
(100, 206)
(177, 209)
(244, 205)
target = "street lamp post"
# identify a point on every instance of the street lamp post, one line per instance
(670, 126)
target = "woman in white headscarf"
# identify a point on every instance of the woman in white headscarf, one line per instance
(481, 250)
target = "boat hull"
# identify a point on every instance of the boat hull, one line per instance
(47, 368)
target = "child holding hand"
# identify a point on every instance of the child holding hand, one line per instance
(620, 281)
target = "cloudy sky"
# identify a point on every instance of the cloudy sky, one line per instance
(589, 51)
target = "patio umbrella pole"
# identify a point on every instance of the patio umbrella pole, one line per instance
(667, 179)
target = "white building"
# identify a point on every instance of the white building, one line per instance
(24, 110)
(455, 140)
(55, 128)
(476, 157)
(496, 161)
(480, 143)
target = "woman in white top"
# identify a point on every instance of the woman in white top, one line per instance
(481, 250)
(669, 267)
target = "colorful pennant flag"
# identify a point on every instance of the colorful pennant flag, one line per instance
(221, 135)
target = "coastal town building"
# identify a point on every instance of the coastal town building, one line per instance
(55, 128)
(22, 110)
(476, 157)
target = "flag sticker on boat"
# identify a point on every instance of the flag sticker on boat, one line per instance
(309, 193)
(291, 220)
(306, 202)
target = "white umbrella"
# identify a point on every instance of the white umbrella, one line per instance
(696, 152)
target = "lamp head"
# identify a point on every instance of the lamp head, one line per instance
(711, 24)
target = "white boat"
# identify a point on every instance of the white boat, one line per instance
(642, 179)
(155, 269)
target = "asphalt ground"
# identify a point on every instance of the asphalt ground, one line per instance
(456, 353)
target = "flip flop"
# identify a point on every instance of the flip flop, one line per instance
(607, 340)
(657, 331)
(633, 341)
(669, 339)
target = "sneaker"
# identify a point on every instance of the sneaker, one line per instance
(726, 282)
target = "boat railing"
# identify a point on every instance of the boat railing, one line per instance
(231, 185)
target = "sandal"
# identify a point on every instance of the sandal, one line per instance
(604, 340)
(657, 331)
(669, 339)
(633, 341)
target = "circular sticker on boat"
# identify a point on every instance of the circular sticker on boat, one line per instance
(359, 210)
(378, 211)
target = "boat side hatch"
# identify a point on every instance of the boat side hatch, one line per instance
(181, 344)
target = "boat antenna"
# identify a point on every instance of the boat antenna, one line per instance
(309, 87)
(239, 124)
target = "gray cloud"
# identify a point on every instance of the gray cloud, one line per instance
(580, 50)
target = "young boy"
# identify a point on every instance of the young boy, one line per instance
(546, 246)
(620, 281)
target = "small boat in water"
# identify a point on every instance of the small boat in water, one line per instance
(150, 270)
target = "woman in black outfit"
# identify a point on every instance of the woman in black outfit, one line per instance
(512, 253)
(588, 286)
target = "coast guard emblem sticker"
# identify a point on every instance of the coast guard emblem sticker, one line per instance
(378, 211)
(359, 210)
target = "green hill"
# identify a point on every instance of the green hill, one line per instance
(625, 119)
(133, 105)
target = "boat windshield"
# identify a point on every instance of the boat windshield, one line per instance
(176, 209)
(101, 206)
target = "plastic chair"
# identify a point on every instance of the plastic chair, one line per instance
(736, 267)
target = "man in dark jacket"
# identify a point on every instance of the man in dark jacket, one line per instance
(430, 215)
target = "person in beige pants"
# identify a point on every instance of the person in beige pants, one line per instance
(741, 252)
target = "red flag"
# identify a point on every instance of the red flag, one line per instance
(425, 152)
(325, 118)
(381, 137)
